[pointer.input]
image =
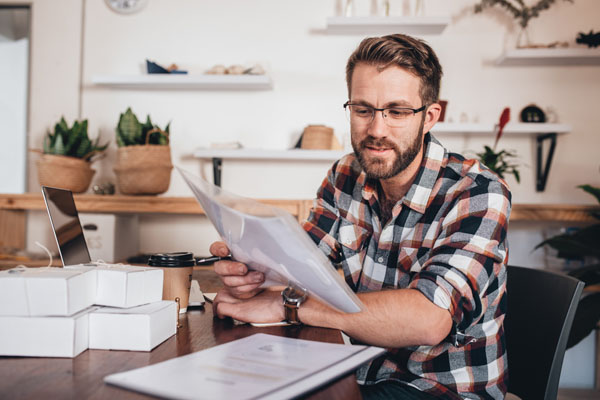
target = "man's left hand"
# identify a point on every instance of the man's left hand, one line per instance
(262, 308)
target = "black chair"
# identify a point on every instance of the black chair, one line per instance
(541, 307)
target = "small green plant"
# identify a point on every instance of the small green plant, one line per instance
(582, 244)
(72, 141)
(517, 8)
(131, 132)
(500, 162)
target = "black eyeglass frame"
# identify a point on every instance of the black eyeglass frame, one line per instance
(414, 110)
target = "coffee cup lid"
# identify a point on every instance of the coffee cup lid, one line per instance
(176, 259)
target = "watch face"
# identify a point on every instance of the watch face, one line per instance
(126, 6)
(294, 295)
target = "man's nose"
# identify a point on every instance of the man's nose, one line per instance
(378, 127)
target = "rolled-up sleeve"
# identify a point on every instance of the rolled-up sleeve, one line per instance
(469, 255)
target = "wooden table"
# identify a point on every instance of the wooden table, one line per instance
(81, 377)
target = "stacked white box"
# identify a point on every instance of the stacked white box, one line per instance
(45, 312)
(44, 336)
(125, 285)
(139, 328)
(46, 291)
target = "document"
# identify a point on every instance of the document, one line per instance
(258, 366)
(270, 240)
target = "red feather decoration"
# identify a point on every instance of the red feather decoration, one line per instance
(504, 118)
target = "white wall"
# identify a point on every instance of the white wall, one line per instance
(13, 114)
(307, 68)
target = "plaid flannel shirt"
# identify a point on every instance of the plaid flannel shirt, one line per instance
(447, 239)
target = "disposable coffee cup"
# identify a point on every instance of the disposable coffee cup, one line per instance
(178, 268)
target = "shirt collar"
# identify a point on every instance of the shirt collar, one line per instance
(417, 197)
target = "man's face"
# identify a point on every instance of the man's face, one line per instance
(384, 151)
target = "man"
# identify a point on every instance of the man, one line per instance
(419, 232)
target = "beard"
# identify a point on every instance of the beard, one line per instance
(378, 168)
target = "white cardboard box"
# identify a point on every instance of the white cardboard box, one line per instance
(44, 336)
(126, 285)
(110, 237)
(139, 328)
(46, 291)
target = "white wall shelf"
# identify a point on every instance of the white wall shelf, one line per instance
(569, 56)
(184, 82)
(540, 131)
(512, 128)
(262, 154)
(386, 25)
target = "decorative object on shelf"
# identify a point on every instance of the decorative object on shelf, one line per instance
(104, 188)
(532, 113)
(386, 8)
(499, 162)
(219, 69)
(520, 12)
(154, 68)
(67, 156)
(582, 244)
(126, 6)
(319, 137)
(144, 156)
(349, 8)
(592, 40)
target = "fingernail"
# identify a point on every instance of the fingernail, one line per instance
(257, 277)
(242, 270)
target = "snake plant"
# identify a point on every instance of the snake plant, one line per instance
(131, 132)
(72, 141)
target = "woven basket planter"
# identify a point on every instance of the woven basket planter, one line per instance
(64, 172)
(319, 137)
(143, 169)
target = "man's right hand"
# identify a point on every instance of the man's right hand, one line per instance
(239, 281)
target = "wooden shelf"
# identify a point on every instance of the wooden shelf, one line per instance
(184, 82)
(130, 204)
(550, 57)
(386, 25)
(299, 208)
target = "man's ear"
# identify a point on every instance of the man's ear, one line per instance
(432, 114)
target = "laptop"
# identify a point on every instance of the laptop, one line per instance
(66, 226)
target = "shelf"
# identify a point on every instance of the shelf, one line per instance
(259, 154)
(550, 57)
(512, 128)
(386, 25)
(298, 207)
(185, 82)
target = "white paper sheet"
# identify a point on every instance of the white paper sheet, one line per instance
(270, 240)
(259, 366)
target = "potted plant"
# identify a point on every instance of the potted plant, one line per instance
(500, 162)
(144, 156)
(67, 156)
(582, 244)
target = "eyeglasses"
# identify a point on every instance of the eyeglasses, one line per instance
(395, 117)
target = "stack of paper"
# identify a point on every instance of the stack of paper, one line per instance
(49, 312)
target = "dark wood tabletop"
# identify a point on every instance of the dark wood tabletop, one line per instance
(82, 376)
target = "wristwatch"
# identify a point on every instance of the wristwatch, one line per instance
(292, 298)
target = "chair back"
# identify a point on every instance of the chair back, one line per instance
(540, 310)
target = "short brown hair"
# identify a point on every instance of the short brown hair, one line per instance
(405, 52)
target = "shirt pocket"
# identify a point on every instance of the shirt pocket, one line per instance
(354, 241)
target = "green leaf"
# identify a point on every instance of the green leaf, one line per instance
(59, 147)
(594, 191)
(84, 148)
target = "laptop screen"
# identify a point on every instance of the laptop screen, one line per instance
(66, 226)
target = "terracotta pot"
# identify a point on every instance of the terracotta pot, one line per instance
(64, 172)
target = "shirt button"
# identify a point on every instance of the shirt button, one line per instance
(380, 259)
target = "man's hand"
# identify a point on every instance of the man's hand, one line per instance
(264, 307)
(239, 282)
